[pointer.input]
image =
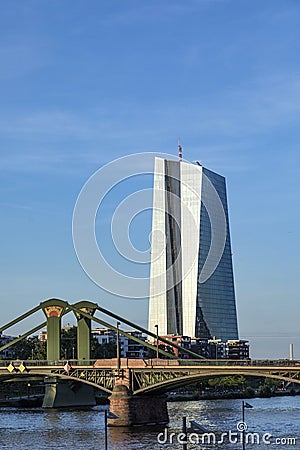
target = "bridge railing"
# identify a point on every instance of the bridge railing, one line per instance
(40, 362)
(249, 362)
(152, 363)
(222, 362)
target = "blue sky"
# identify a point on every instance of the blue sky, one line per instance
(85, 82)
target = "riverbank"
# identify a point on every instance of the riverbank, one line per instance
(230, 395)
(35, 401)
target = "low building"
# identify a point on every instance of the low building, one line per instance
(208, 348)
(128, 347)
(201, 347)
(43, 336)
(132, 349)
(43, 333)
(104, 335)
(217, 348)
(237, 349)
(182, 341)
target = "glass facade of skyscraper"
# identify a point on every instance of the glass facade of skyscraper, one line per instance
(191, 278)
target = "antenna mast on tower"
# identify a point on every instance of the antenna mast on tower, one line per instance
(179, 150)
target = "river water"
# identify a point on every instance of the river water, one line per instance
(37, 429)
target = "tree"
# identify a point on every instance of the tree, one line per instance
(22, 350)
(30, 348)
(68, 343)
(234, 381)
(264, 391)
(272, 383)
(102, 351)
(69, 346)
(39, 349)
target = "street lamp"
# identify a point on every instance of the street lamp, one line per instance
(118, 349)
(184, 432)
(28, 389)
(157, 352)
(244, 426)
(107, 415)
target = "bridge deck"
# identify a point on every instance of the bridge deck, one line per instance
(146, 376)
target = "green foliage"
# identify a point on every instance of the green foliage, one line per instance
(233, 381)
(34, 348)
(68, 343)
(272, 383)
(22, 349)
(249, 392)
(69, 346)
(268, 388)
(31, 348)
(39, 349)
(264, 391)
(255, 382)
(107, 350)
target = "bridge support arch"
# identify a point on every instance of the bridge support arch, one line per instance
(53, 309)
(61, 393)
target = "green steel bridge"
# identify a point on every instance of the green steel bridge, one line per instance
(153, 376)
(135, 383)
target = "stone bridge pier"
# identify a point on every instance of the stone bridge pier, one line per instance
(135, 409)
(67, 393)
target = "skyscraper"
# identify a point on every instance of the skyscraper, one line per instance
(191, 275)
